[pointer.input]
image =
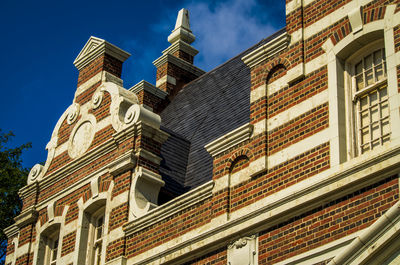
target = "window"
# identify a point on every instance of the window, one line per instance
(53, 248)
(48, 246)
(370, 100)
(92, 235)
(98, 239)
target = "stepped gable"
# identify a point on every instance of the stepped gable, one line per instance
(196, 113)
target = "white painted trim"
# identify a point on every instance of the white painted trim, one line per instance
(229, 140)
(332, 18)
(297, 110)
(298, 148)
(170, 208)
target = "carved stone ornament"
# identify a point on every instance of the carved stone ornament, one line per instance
(97, 98)
(73, 113)
(81, 138)
(132, 114)
(241, 242)
(34, 173)
(243, 251)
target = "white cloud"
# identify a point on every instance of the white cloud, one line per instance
(226, 29)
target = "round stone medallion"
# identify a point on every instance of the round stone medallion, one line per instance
(81, 139)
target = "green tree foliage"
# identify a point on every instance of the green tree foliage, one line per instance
(12, 178)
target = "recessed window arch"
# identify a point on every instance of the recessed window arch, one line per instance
(91, 244)
(342, 58)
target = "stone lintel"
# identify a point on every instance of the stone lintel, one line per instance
(229, 140)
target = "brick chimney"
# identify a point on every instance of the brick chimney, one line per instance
(99, 61)
(175, 67)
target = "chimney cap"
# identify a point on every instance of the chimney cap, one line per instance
(95, 47)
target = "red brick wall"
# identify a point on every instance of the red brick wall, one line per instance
(290, 96)
(115, 249)
(102, 63)
(103, 110)
(169, 228)
(281, 176)
(328, 222)
(10, 246)
(68, 243)
(118, 216)
(184, 56)
(298, 129)
(87, 94)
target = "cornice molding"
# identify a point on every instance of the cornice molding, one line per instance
(150, 88)
(28, 216)
(169, 58)
(170, 208)
(267, 50)
(123, 163)
(95, 47)
(181, 45)
(11, 231)
(229, 140)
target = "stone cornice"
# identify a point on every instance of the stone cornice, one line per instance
(267, 50)
(122, 163)
(181, 45)
(150, 88)
(178, 62)
(170, 208)
(11, 231)
(95, 47)
(27, 216)
(229, 140)
(28, 190)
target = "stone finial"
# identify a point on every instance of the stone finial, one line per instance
(182, 29)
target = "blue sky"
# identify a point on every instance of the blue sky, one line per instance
(41, 39)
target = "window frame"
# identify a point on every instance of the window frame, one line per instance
(352, 96)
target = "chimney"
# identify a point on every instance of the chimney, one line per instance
(99, 61)
(175, 67)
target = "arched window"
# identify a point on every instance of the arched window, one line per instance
(49, 245)
(369, 98)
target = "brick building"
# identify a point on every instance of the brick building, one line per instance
(288, 153)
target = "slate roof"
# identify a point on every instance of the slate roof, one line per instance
(205, 109)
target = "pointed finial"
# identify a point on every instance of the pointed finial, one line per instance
(183, 19)
(182, 28)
